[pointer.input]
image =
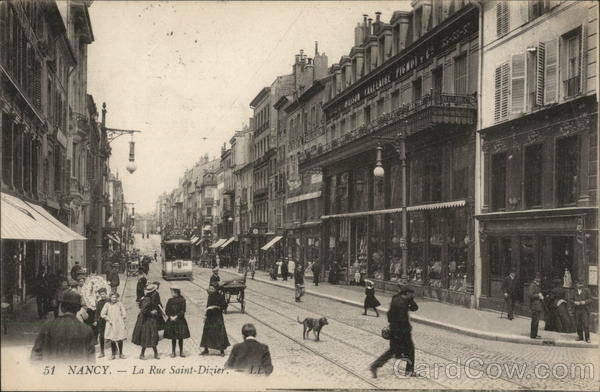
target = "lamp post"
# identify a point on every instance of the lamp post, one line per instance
(104, 154)
(399, 144)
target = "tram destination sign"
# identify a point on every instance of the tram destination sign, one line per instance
(459, 30)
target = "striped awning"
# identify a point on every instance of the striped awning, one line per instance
(194, 239)
(114, 239)
(218, 243)
(421, 207)
(229, 241)
(271, 243)
(25, 221)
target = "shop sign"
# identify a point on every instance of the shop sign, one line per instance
(461, 29)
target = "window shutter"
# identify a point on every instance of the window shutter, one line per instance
(551, 72)
(502, 18)
(505, 89)
(497, 93)
(541, 56)
(448, 76)
(583, 60)
(518, 84)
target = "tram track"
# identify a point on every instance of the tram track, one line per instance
(300, 342)
(433, 354)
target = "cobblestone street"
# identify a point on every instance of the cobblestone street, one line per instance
(348, 345)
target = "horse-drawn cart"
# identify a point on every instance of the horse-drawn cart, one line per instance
(234, 289)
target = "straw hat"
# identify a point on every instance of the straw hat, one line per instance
(150, 288)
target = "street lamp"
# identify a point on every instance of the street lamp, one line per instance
(399, 144)
(111, 134)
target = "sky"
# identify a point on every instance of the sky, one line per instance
(184, 72)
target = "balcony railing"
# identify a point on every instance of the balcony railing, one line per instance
(572, 86)
(426, 111)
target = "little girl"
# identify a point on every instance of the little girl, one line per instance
(370, 300)
(114, 314)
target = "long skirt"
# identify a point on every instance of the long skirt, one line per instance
(176, 329)
(371, 302)
(564, 322)
(145, 333)
(214, 334)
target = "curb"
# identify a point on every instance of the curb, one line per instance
(448, 327)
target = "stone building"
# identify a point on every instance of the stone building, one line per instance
(539, 138)
(414, 81)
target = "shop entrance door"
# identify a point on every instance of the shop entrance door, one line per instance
(562, 257)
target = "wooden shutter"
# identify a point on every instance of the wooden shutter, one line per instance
(551, 72)
(502, 18)
(518, 83)
(583, 59)
(541, 58)
(502, 90)
(448, 76)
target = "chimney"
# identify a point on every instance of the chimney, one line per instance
(316, 48)
(377, 17)
(370, 27)
(365, 32)
(358, 34)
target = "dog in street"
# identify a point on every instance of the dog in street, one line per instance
(312, 324)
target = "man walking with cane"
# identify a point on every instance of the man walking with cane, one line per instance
(509, 288)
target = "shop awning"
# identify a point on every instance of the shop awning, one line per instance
(21, 221)
(421, 207)
(272, 242)
(218, 243)
(229, 241)
(114, 239)
(76, 236)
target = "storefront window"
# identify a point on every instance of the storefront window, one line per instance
(379, 192)
(312, 250)
(457, 249)
(359, 246)
(342, 193)
(435, 266)
(377, 262)
(395, 252)
(395, 186)
(460, 175)
(333, 195)
(360, 190)
(528, 263)
(416, 247)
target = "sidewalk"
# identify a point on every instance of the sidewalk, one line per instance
(441, 315)
(24, 325)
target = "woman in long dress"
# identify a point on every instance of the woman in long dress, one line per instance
(370, 300)
(115, 331)
(214, 334)
(176, 327)
(145, 333)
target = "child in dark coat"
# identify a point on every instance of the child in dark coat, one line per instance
(176, 327)
(370, 300)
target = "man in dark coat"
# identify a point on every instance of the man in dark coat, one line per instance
(284, 269)
(582, 301)
(65, 338)
(535, 304)
(401, 344)
(113, 277)
(214, 278)
(511, 294)
(41, 293)
(250, 356)
(316, 270)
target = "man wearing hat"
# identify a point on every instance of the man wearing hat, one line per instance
(511, 294)
(535, 304)
(215, 278)
(581, 302)
(401, 344)
(64, 338)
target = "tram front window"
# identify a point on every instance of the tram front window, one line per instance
(178, 252)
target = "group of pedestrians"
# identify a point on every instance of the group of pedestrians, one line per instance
(555, 306)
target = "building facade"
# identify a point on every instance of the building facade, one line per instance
(539, 130)
(414, 79)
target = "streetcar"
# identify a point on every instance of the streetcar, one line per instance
(176, 256)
